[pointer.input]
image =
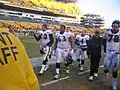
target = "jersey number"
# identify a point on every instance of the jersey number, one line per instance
(45, 36)
(115, 38)
(64, 39)
(82, 41)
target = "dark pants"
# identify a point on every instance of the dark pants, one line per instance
(94, 60)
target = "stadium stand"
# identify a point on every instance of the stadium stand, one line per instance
(48, 5)
(27, 26)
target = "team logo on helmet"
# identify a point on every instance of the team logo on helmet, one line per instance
(116, 23)
(69, 58)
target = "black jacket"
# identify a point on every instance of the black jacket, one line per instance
(94, 46)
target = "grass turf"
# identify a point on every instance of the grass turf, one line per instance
(31, 45)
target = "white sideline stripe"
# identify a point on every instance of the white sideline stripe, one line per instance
(83, 72)
(54, 81)
(29, 41)
(102, 66)
(64, 78)
(89, 70)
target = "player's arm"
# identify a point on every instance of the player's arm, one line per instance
(71, 40)
(77, 41)
(55, 46)
(37, 36)
(51, 40)
(104, 41)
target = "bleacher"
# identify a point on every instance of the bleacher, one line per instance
(27, 26)
(48, 5)
(52, 6)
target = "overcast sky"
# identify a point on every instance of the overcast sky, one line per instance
(109, 9)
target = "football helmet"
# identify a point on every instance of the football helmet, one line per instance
(69, 58)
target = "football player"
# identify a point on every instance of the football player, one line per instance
(68, 29)
(81, 43)
(64, 46)
(112, 38)
(46, 40)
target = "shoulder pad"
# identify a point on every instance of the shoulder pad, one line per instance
(40, 32)
(49, 31)
(107, 29)
(57, 33)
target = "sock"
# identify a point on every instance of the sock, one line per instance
(42, 69)
(106, 76)
(114, 83)
(58, 71)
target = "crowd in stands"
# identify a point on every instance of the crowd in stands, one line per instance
(48, 5)
(25, 27)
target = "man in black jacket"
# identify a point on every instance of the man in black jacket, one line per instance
(94, 51)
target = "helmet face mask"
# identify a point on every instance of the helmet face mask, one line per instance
(44, 27)
(116, 25)
(62, 28)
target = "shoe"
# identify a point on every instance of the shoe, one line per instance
(81, 68)
(40, 73)
(114, 88)
(114, 84)
(95, 75)
(46, 67)
(91, 78)
(67, 71)
(57, 76)
(106, 78)
(42, 70)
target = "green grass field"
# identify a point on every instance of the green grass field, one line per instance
(75, 81)
(31, 45)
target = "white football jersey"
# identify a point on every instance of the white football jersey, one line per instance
(45, 37)
(113, 40)
(63, 40)
(82, 41)
(71, 33)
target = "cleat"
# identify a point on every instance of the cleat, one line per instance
(95, 75)
(91, 78)
(114, 84)
(39, 74)
(46, 67)
(81, 68)
(114, 89)
(57, 76)
(106, 78)
(67, 71)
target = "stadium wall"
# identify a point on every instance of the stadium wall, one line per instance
(37, 16)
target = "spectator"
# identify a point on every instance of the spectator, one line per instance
(11, 29)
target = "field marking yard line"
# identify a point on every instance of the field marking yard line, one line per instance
(29, 41)
(89, 70)
(64, 78)
(54, 81)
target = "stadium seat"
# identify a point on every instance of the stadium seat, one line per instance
(49, 5)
